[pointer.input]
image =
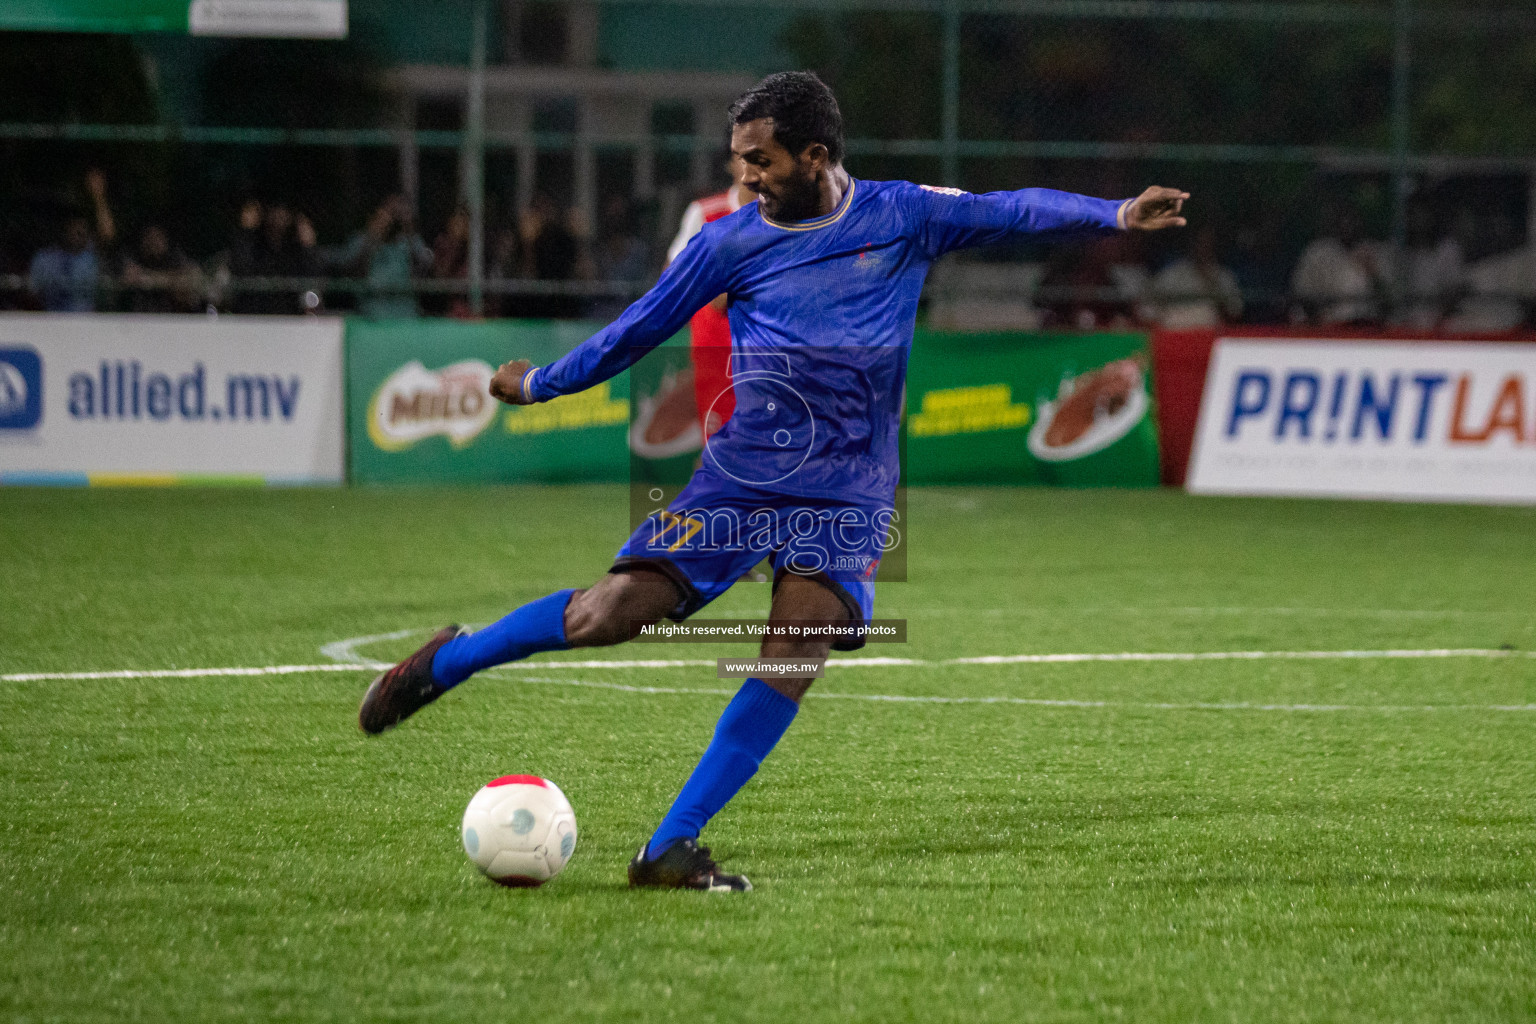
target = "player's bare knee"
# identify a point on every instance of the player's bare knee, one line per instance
(579, 621)
(589, 620)
(809, 599)
(615, 608)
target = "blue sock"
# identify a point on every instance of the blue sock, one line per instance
(536, 626)
(748, 729)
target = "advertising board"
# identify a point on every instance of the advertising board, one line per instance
(1411, 421)
(419, 409)
(1069, 410)
(94, 399)
(981, 408)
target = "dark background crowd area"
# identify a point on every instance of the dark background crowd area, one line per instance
(177, 226)
(82, 244)
(70, 249)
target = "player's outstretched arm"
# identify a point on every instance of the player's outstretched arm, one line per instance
(949, 219)
(695, 277)
(1155, 209)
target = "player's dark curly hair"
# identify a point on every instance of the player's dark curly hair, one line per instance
(803, 111)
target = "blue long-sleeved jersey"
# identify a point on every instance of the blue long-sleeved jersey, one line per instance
(822, 314)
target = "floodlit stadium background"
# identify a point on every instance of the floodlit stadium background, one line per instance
(1144, 754)
(1281, 118)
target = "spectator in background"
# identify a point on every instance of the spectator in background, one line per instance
(272, 242)
(1195, 290)
(1340, 278)
(1432, 276)
(450, 262)
(620, 254)
(1080, 291)
(1260, 272)
(551, 253)
(14, 263)
(64, 277)
(504, 261)
(245, 258)
(1501, 282)
(388, 254)
(157, 277)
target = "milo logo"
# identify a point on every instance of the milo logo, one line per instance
(415, 403)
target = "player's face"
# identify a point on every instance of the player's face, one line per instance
(786, 185)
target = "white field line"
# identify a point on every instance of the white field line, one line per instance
(878, 698)
(360, 665)
(1382, 613)
(1054, 659)
(346, 650)
(355, 663)
(1040, 702)
(183, 673)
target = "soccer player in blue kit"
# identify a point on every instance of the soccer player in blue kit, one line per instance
(823, 274)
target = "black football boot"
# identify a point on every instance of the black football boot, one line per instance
(685, 865)
(405, 689)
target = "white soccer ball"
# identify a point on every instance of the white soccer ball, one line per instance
(520, 830)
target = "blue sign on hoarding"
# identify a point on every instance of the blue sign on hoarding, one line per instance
(21, 389)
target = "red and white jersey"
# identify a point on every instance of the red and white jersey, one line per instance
(699, 213)
(710, 329)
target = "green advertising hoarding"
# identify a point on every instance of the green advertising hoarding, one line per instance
(1068, 410)
(418, 408)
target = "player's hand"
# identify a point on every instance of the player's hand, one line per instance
(507, 382)
(1155, 209)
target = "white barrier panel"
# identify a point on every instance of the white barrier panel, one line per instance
(170, 399)
(1411, 421)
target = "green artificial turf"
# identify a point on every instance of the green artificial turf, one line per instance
(232, 848)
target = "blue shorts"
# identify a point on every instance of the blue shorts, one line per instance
(717, 530)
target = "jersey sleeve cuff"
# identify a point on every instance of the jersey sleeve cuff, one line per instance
(529, 386)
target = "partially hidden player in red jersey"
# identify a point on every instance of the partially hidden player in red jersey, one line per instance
(710, 328)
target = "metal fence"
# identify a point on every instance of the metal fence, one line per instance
(1257, 107)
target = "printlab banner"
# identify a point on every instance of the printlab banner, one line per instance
(1069, 410)
(166, 399)
(419, 408)
(1420, 421)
